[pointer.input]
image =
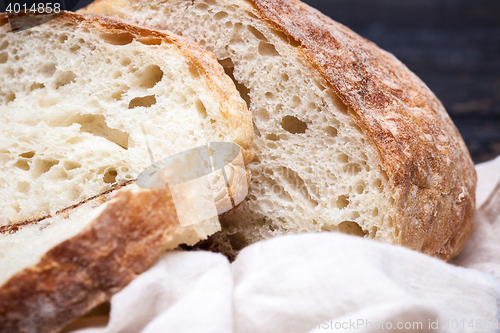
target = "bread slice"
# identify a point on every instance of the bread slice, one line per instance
(347, 138)
(76, 94)
(80, 98)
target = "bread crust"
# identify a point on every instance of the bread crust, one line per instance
(430, 171)
(86, 270)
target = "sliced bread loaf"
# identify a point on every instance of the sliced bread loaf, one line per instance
(80, 96)
(347, 138)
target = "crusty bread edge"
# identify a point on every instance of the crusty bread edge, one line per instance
(119, 244)
(86, 270)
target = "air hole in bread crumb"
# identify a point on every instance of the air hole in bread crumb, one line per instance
(351, 168)
(272, 137)
(64, 78)
(125, 61)
(293, 125)
(96, 125)
(256, 33)
(110, 176)
(10, 97)
(271, 145)
(4, 45)
(149, 76)
(193, 70)
(43, 165)
(267, 50)
(228, 66)
(118, 39)
(375, 212)
(331, 131)
(23, 187)
(220, 15)
(319, 85)
(4, 56)
(200, 107)
(351, 228)
(263, 114)
(145, 101)
(202, 6)
(360, 187)
(74, 140)
(343, 158)
(296, 101)
(22, 164)
(149, 41)
(37, 85)
(70, 165)
(16, 207)
(389, 222)
(342, 202)
(48, 69)
(74, 48)
(117, 95)
(285, 38)
(297, 183)
(28, 154)
(74, 192)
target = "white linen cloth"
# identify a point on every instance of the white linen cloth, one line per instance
(320, 283)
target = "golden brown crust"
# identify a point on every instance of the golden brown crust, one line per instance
(204, 63)
(431, 174)
(86, 270)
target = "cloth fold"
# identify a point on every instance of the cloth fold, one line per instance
(321, 283)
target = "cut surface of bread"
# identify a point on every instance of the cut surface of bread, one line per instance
(347, 138)
(80, 98)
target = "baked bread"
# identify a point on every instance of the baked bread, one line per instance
(74, 104)
(74, 227)
(347, 138)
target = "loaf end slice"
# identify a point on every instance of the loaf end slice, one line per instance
(75, 228)
(82, 98)
(347, 138)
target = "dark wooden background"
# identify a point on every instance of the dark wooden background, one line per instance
(453, 45)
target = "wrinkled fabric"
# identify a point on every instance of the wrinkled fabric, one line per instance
(322, 282)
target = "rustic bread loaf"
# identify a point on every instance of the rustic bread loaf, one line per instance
(347, 137)
(73, 92)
